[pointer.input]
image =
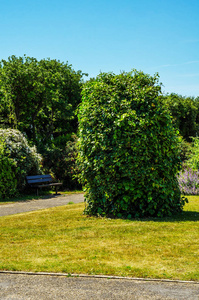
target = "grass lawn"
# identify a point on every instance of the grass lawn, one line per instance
(62, 239)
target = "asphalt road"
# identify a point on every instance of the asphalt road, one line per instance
(34, 287)
(51, 201)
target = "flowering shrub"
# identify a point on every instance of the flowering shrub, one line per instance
(26, 159)
(189, 181)
(188, 178)
(8, 182)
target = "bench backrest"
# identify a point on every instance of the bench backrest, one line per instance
(38, 179)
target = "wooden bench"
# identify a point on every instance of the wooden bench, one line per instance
(42, 181)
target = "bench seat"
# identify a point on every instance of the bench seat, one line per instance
(42, 181)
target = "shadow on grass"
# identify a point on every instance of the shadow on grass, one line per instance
(20, 199)
(181, 217)
(28, 196)
(31, 195)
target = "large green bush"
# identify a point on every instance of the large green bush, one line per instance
(27, 160)
(128, 148)
(8, 182)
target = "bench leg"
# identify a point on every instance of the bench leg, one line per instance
(55, 190)
(37, 192)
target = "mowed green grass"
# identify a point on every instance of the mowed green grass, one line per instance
(63, 239)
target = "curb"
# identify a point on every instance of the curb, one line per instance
(97, 276)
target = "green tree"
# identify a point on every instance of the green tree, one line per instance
(193, 155)
(39, 98)
(185, 113)
(128, 148)
(61, 163)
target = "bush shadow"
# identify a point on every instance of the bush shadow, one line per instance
(184, 216)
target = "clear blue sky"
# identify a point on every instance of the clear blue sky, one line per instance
(109, 36)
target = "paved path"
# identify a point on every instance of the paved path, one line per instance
(34, 287)
(51, 201)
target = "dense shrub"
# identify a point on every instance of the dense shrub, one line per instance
(128, 148)
(61, 163)
(8, 182)
(27, 160)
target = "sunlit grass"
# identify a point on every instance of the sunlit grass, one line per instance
(62, 239)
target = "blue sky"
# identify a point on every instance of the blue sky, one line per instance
(109, 36)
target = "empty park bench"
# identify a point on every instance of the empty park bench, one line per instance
(42, 181)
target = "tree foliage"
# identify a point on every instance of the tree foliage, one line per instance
(193, 155)
(185, 113)
(128, 148)
(61, 163)
(39, 98)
